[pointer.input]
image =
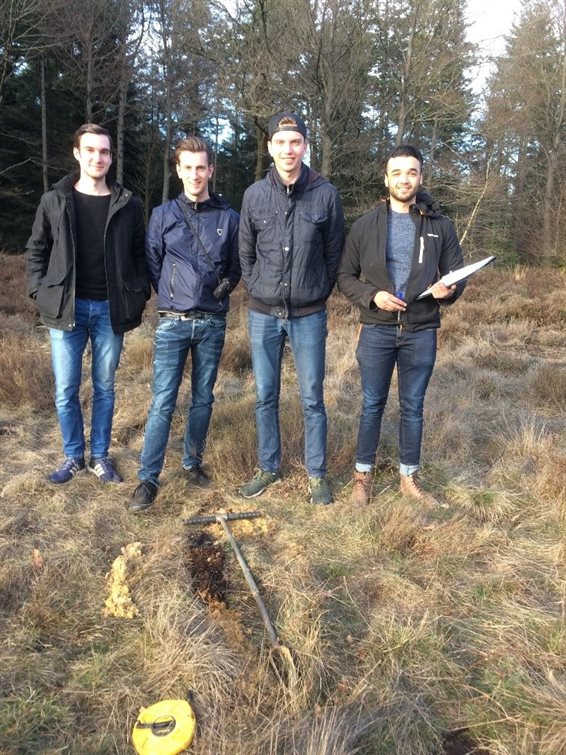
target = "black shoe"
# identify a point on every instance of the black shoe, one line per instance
(143, 497)
(197, 476)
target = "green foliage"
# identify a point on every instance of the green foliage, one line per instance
(34, 720)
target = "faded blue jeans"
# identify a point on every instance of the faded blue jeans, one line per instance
(92, 320)
(381, 348)
(175, 339)
(307, 336)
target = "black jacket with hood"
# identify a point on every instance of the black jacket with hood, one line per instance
(363, 269)
(291, 240)
(51, 258)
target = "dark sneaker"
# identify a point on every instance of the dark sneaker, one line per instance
(103, 468)
(67, 470)
(261, 480)
(143, 497)
(320, 492)
(197, 476)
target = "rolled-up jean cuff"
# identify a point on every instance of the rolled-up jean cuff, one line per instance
(408, 469)
(360, 467)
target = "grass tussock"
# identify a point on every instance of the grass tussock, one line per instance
(25, 380)
(548, 384)
(405, 639)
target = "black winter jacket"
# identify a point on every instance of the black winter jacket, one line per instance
(363, 269)
(181, 271)
(51, 258)
(290, 243)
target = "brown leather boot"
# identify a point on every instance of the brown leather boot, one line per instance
(411, 487)
(363, 483)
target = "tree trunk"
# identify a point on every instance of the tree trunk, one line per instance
(166, 150)
(326, 143)
(122, 101)
(521, 236)
(325, 151)
(89, 84)
(44, 170)
(405, 81)
(548, 209)
(260, 152)
(216, 135)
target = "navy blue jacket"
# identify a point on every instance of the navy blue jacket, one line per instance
(51, 251)
(290, 243)
(363, 269)
(182, 274)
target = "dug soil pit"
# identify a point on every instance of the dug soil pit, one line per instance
(460, 742)
(205, 561)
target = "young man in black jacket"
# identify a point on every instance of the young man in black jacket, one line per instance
(87, 272)
(392, 255)
(291, 239)
(192, 253)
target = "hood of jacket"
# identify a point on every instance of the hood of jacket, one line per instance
(65, 184)
(426, 205)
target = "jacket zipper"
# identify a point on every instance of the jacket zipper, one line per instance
(68, 211)
(421, 239)
(111, 211)
(172, 281)
(399, 295)
(121, 201)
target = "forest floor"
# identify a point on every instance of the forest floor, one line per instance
(442, 639)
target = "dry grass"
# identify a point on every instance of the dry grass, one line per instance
(405, 640)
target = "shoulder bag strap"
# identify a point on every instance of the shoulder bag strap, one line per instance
(194, 231)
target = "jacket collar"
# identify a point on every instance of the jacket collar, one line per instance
(307, 178)
(214, 201)
(65, 186)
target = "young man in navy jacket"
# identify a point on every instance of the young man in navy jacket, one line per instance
(192, 253)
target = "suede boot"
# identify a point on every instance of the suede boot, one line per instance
(363, 483)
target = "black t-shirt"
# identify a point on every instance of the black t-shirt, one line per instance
(91, 214)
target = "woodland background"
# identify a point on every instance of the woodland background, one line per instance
(366, 73)
(441, 639)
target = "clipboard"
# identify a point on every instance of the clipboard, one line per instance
(459, 275)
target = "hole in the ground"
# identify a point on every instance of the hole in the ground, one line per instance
(206, 565)
(460, 742)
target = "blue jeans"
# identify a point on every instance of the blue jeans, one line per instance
(92, 320)
(380, 348)
(307, 336)
(203, 338)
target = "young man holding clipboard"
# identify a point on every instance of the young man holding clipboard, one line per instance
(392, 255)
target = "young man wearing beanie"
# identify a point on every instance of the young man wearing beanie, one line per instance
(290, 242)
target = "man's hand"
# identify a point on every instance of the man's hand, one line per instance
(389, 302)
(440, 291)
